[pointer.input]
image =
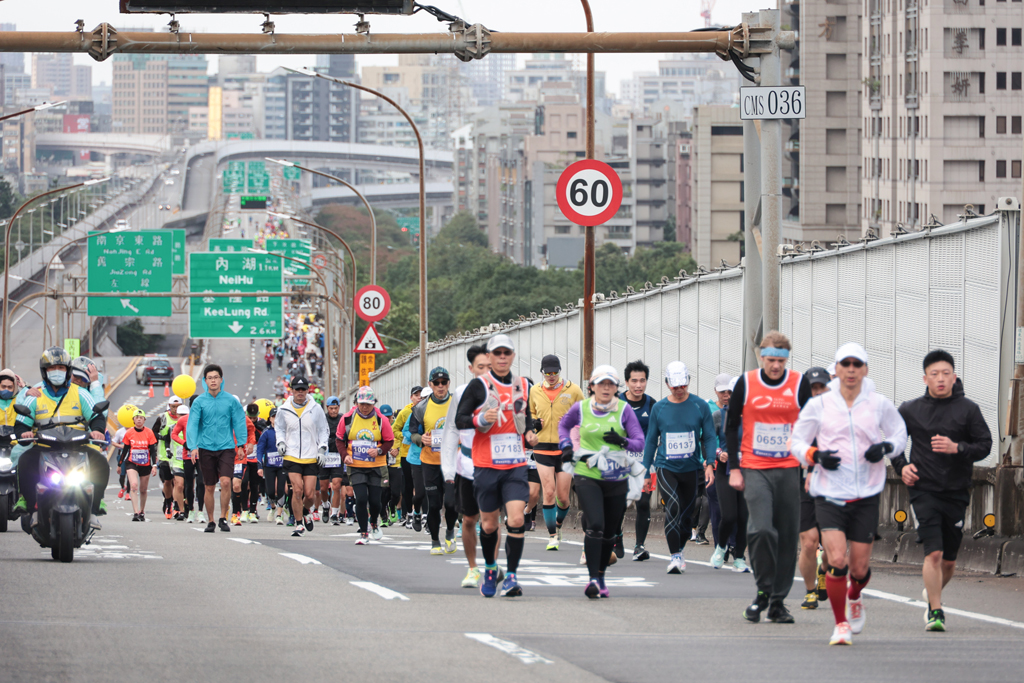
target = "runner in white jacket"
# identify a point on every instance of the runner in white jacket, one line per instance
(302, 437)
(854, 428)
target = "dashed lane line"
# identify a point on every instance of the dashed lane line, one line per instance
(508, 647)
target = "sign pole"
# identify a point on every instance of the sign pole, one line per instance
(771, 183)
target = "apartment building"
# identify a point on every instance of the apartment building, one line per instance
(53, 71)
(716, 186)
(139, 94)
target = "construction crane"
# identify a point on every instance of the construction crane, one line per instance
(705, 11)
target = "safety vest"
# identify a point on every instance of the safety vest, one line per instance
(8, 415)
(364, 437)
(769, 414)
(433, 421)
(161, 448)
(70, 406)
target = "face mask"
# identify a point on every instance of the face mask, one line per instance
(6, 395)
(56, 377)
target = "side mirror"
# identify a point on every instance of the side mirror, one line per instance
(101, 407)
(22, 410)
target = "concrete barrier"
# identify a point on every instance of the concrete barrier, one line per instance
(1013, 557)
(982, 555)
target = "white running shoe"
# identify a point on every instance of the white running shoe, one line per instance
(841, 635)
(201, 518)
(718, 557)
(376, 534)
(677, 565)
(192, 517)
(855, 614)
(280, 519)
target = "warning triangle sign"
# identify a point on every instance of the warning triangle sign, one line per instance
(370, 342)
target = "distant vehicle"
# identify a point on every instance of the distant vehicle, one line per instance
(175, 171)
(169, 181)
(121, 223)
(154, 369)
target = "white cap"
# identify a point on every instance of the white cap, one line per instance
(174, 401)
(500, 341)
(852, 350)
(604, 372)
(677, 374)
(427, 391)
(831, 370)
(182, 410)
(723, 382)
(732, 383)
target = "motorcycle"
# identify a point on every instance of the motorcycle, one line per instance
(64, 491)
(8, 478)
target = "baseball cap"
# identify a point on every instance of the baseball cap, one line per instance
(386, 410)
(817, 375)
(182, 411)
(138, 412)
(439, 373)
(550, 363)
(723, 382)
(300, 383)
(425, 391)
(677, 374)
(604, 372)
(332, 401)
(174, 401)
(852, 350)
(365, 395)
(416, 390)
(831, 369)
(500, 341)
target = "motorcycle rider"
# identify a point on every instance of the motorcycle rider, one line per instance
(8, 390)
(59, 397)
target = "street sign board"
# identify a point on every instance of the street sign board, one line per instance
(73, 347)
(227, 317)
(370, 342)
(236, 168)
(252, 202)
(367, 364)
(372, 303)
(291, 173)
(258, 182)
(131, 261)
(256, 167)
(319, 261)
(589, 192)
(232, 183)
(409, 223)
(296, 248)
(178, 251)
(773, 102)
(229, 244)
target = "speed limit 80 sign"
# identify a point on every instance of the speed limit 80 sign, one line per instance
(372, 303)
(589, 192)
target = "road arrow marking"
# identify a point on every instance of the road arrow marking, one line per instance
(235, 327)
(127, 303)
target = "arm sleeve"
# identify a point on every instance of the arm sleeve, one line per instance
(152, 452)
(124, 453)
(192, 426)
(653, 435)
(634, 433)
(472, 398)
(805, 431)
(708, 435)
(571, 418)
(980, 443)
(734, 421)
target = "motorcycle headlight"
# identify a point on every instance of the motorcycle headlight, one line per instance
(6, 465)
(76, 478)
(55, 477)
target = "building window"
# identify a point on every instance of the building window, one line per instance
(1016, 37)
(1015, 169)
(1000, 80)
(1015, 80)
(1000, 37)
(981, 171)
(1000, 169)
(1015, 125)
(1000, 125)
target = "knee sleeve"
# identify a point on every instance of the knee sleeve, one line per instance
(521, 529)
(838, 573)
(596, 534)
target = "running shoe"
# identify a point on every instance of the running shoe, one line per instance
(510, 588)
(383, 522)
(604, 588)
(280, 520)
(223, 525)
(94, 524)
(693, 535)
(740, 565)
(753, 612)
(458, 531)
(363, 539)
(436, 548)
(533, 525)
(349, 521)
(375, 532)
(841, 635)
(552, 543)
(472, 579)
(120, 494)
(291, 520)
(810, 600)
(417, 523)
(135, 517)
(640, 554)
(618, 548)
(299, 530)
(488, 587)
(192, 517)
(253, 518)
(592, 591)
(718, 557)
(335, 521)
(677, 565)
(142, 516)
(325, 513)
(450, 546)
(210, 528)
(179, 517)
(201, 517)
(128, 495)
(936, 621)
(778, 613)
(855, 614)
(167, 513)
(307, 521)
(235, 521)
(408, 522)
(316, 515)
(103, 508)
(702, 540)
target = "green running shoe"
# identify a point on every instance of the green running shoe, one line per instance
(936, 621)
(21, 506)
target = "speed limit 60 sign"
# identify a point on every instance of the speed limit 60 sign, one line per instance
(589, 192)
(372, 303)
(773, 102)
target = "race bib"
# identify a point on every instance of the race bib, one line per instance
(680, 445)
(635, 455)
(364, 451)
(332, 460)
(435, 440)
(615, 471)
(771, 440)
(239, 466)
(507, 449)
(275, 459)
(139, 456)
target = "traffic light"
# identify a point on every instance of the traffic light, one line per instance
(269, 6)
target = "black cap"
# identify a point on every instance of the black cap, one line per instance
(550, 363)
(416, 390)
(300, 383)
(818, 375)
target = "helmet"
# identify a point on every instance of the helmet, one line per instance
(51, 357)
(80, 368)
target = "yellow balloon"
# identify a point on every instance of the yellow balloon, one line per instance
(183, 386)
(124, 415)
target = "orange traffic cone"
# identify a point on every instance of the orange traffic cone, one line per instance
(151, 390)
(167, 389)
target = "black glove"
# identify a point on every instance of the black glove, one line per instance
(614, 439)
(878, 451)
(828, 459)
(567, 454)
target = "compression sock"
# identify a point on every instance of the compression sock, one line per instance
(514, 552)
(563, 512)
(549, 518)
(835, 584)
(236, 502)
(857, 585)
(489, 546)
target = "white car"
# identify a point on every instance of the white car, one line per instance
(175, 171)
(169, 181)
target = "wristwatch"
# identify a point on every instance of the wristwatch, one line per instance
(960, 448)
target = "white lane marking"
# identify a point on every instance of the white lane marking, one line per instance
(383, 592)
(508, 647)
(299, 558)
(245, 540)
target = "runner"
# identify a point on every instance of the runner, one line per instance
(365, 436)
(391, 496)
(162, 428)
(812, 571)
(549, 402)
(332, 471)
(216, 423)
(402, 453)
(272, 470)
(457, 463)
(496, 406)
(192, 473)
(637, 374)
(426, 426)
(764, 404)
(251, 479)
(419, 493)
(116, 444)
(137, 458)
(609, 430)
(301, 432)
(732, 524)
(239, 513)
(178, 463)
(855, 428)
(680, 438)
(948, 435)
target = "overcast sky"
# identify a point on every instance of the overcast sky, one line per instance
(507, 15)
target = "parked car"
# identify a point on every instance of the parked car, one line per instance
(154, 369)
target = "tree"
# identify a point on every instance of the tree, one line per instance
(9, 200)
(133, 340)
(462, 228)
(670, 229)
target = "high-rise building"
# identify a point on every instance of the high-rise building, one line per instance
(236, 65)
(13, 62)
(53, 71)
(139, 94)
(681, 83)
(187, 86)
(486, 77)
(716, 185)
(81, 83)
(944, 100)
(298, 107)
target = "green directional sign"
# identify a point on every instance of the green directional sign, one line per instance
(291, 173)
(232, 183)
(228, 244)
(178, 251)
(296, 248)
(127, 262)
(235, 317)
(258, 182)
(256, 167)
(409, 224)
(236, 167)
(252, 202)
